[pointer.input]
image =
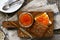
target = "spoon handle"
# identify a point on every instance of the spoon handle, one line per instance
(13, 2)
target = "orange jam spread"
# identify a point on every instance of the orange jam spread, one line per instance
(25, 19)
(44, 19)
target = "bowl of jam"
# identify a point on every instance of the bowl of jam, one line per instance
(25, 19)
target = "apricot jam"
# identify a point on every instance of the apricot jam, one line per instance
(44, 19)
(25, 19)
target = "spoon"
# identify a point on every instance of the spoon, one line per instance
(7, 6)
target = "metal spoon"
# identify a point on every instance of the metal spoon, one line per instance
(7, 6)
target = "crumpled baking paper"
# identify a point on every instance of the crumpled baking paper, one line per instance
(57, 22)
(49, 7)
(11, 34)
(34, 4)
